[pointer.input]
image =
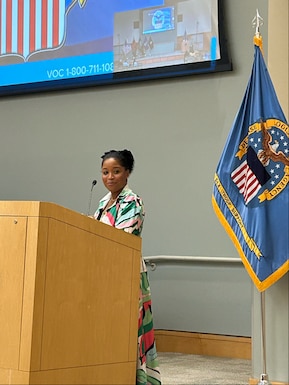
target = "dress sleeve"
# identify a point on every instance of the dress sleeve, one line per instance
(131, 216)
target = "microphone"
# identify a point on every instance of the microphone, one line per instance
(90, 196)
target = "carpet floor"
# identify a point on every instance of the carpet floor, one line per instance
(183, 369)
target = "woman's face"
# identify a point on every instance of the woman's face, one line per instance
(114, 175)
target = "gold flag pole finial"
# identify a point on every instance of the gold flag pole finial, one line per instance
(257, 22)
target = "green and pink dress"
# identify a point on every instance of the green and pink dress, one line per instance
(127, 213)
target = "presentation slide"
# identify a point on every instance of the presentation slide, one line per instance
(44, 41)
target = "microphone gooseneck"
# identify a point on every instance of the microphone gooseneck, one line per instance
(90, 196)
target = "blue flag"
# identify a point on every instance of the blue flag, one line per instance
(251, 191)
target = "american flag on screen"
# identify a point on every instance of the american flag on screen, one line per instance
(28, 26)
(251, 184)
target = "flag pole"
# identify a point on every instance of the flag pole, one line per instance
(264, 378)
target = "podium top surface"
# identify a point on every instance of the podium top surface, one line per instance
(53, 211)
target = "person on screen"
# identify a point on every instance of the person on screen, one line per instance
(151, 44)
(123, 209)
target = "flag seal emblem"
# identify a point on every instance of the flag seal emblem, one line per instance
(266, 167)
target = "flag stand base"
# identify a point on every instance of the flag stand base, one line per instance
(264, 379)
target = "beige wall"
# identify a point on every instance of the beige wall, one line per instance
(278, 53)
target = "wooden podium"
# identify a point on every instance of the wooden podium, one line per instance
(69, 289)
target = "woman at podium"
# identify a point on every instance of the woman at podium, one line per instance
(123, 209)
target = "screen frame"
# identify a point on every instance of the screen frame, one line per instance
(135, 75)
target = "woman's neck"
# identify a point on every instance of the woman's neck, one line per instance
(114, 195)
